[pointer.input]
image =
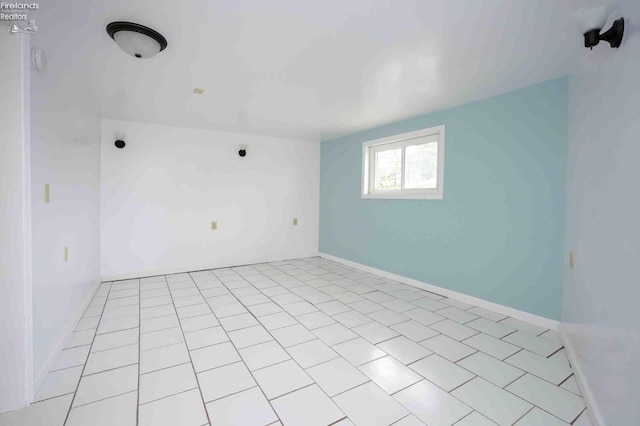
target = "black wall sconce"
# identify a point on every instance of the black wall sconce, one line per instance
(120, 143)
(243, 151)
(591, 20)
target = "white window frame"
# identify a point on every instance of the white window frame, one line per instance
(393, 142)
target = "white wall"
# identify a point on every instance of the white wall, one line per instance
(160, 193)
(601, 314)
(65, 142)
(14, 223)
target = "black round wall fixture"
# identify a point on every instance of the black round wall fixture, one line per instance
(120, 144)
(242, 153)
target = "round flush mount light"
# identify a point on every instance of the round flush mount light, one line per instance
(136, 40)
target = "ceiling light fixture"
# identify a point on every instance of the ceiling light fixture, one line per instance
(591, 20)
(137, 40)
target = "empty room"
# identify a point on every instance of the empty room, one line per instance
(305, 213)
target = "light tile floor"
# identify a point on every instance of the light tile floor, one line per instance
(302, 342)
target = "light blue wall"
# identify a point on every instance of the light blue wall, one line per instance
(498, 233)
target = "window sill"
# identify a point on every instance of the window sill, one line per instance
(431, 195)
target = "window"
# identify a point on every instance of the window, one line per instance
(410, 165)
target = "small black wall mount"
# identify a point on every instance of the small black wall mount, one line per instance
(120, 143)
(243, 151)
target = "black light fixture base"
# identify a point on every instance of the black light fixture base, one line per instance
(614, 34)
(114, 27)
(591, 38)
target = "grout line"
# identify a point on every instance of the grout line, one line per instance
(85, 364)
(191, 359)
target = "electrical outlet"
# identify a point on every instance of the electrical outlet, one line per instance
(46, 193)
(214, 225)
(295, 221)
(66, 254)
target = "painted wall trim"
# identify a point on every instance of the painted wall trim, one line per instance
(64, 338)
(501, 309)
(585, 390)
(169, 271)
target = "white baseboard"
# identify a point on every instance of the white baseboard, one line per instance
(213, 265)
(41, 375)
(585, 390)
(501, 309)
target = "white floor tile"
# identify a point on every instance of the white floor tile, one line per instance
(389, 374)
(537, 417)
(163, 357)
(119, 410)
(495, 329)
(115, 340)
(523, 326)
(369, 405)
(193, 311)
(108, 326)
(263, 355)
(571, 385)
(539, 345)
(366, 306)
(282, 378)
(170, 381)
(491, 401)
(491, 369)
(157, 311)
(159, 323)
(156, 339)
(156, 301)
(59, 383)
(311, 353)
(184, 409)
(583, 420)
(224, 381)
(80, 338)
(334, 334)
(400, 306)
(265, 309)
(199, 323)
(358, 351)
(51, 412)
(315, 320)
(332, 308)
(237, 322)
(409, 420)
(485, 313)
(337, 376)
(553, 399)
(490, 345)
(249, 336)
(388, 317)
(442, 409)
(458, 315)
(475, 419)
(110, 359)
(125, 311)
(404, 350)
(205, 337)
(352, 319)
(308, 406)
(299, 308)
(423, 316)
(429, 304)
(248, 407)
(277, 320)
(72, 357)
(549, 369)
(214, 356)
(87, 323)
(448, 348)
(375, 332)
(442, 372)
(228, 310)
(106, 385)
(292, 335)
(414, 331)
(453, 329)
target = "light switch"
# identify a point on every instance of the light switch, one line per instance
(214, 225)
(295, 221)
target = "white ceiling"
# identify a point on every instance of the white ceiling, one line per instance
(301, 68)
